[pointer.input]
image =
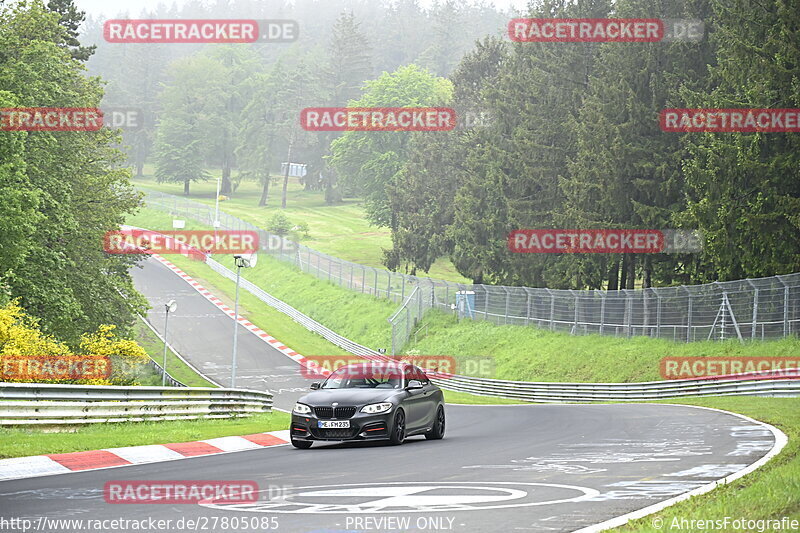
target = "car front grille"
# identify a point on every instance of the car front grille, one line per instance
(334, 433)
(330, 412)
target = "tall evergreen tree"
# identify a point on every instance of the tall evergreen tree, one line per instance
(71, 19)
(743, 189)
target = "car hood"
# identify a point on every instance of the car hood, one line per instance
(324, 397)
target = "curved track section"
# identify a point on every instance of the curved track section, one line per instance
(499, 468)
(203, 335)
(503, 468)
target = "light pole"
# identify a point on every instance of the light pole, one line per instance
(216, 207)
(170, 307)
(242, 261)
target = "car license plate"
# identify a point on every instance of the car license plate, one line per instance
(334, 424)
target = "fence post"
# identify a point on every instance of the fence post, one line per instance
(689, 317)
(351, 276)
(485, 302)
(376, 281)
(389, 286)
(754, 319)
(408, 323)
(508, 301)
(603, 295)
(629, 312)
(786, 325)
(575, 315)
(363, 279)
(527, 305)
(658, 314)
(552, 308)
(394, 337)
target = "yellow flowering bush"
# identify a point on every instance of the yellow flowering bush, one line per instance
(127, 357)
(28, 355)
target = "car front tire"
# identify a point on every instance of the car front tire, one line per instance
(398, 434)
(437, 432)
(302, 444)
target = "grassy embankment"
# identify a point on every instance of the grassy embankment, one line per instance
(339, 230)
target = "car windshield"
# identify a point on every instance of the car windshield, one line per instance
(365, 376)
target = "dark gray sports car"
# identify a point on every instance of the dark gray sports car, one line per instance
(366, 401)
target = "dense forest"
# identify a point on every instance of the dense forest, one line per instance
(562, 135)
(569, 136)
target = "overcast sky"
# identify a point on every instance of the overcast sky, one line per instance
(98, 8)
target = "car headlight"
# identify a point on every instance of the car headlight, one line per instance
(301, 409)
(375, 408)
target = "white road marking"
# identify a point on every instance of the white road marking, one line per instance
(407, 497)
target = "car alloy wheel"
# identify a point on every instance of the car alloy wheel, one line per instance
(437, 432)
(399, 430)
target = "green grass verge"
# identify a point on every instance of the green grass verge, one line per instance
(473, 399)
(175, 366)
(771, 492)
(340, 230)
(18, 442)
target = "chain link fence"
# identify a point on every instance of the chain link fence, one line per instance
(764, 308)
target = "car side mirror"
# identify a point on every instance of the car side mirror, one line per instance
(413, 384)
(315, 385)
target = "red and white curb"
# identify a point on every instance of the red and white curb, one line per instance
(263, 335)
(64, 463)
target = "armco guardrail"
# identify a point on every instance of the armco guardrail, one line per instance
(547, 392)
(55, 404)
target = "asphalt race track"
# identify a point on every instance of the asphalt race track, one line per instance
(203, 334)
(499, 468)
